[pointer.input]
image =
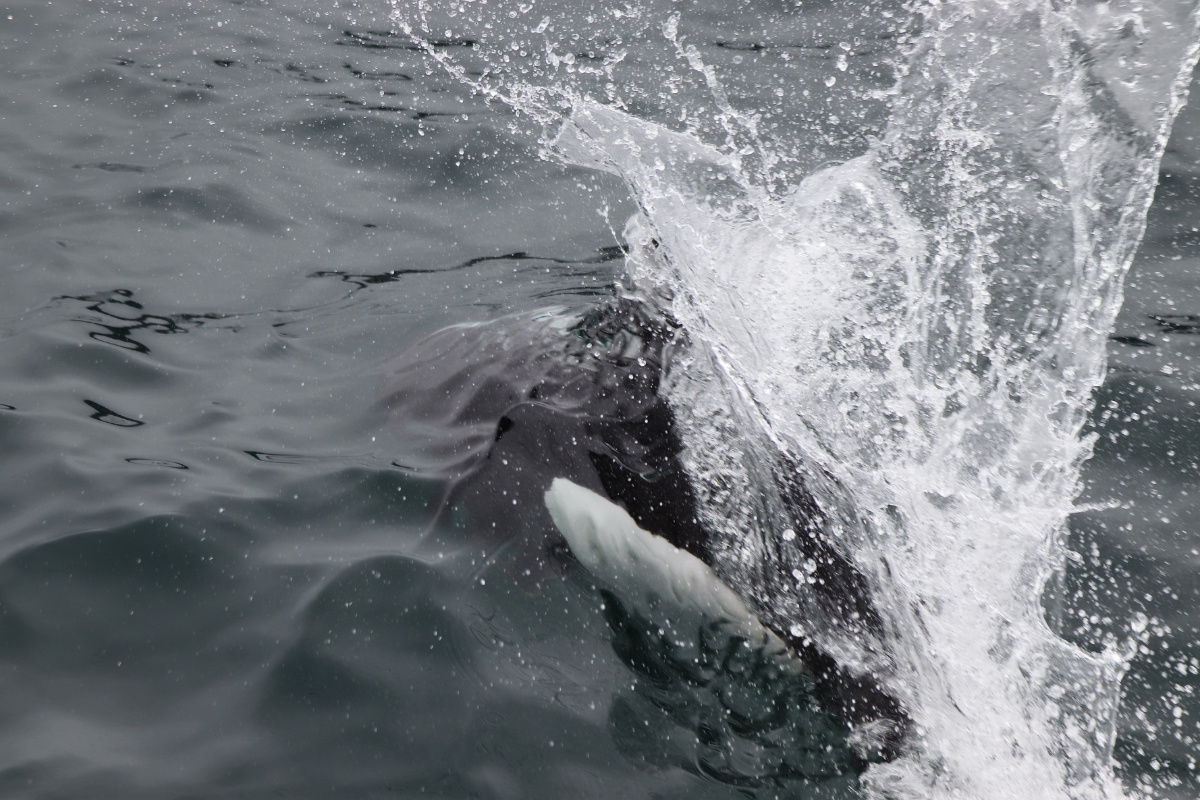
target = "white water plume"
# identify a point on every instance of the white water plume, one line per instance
(919, 330)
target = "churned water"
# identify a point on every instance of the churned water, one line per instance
(234, 564)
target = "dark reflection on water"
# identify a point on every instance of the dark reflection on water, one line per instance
(606, 255)
(118, 319)
(157, 462)
(235, 588)
(102, 414)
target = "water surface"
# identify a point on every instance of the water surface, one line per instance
(220, 576)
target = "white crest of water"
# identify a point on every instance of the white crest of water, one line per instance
(925, 324)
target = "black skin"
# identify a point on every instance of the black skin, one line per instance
(604, 426)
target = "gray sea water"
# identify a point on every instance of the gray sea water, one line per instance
(221, 574)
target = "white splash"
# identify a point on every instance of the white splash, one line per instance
(924, 325)
(918, 330)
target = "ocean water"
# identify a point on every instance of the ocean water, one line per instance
(227, 569)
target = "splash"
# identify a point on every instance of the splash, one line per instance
(914, 332)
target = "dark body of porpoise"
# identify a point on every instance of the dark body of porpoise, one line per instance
(501, 409)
